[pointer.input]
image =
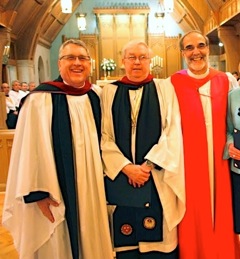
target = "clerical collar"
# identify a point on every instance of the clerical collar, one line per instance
(125, 80)
(191, 74)
(76, 87)
(68, 89)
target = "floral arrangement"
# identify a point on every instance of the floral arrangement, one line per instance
(108, 64)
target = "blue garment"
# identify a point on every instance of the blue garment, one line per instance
(233, 122)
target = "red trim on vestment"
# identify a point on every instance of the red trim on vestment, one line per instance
(71, 89)
(125, 80)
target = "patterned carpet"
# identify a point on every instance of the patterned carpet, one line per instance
(7, 250)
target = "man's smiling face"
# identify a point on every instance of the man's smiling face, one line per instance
(196, 53)
(74, 65)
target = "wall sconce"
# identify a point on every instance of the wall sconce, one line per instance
(6, 54)
(81, 21)
(164, 6)
(66, 6)
(160, 21)
(167, 5)
(159, 15)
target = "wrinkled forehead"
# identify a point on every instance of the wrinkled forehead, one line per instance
(138, 49)
(73, 49)
(193, 39)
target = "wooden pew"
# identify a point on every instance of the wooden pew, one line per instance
(6, 141)
(3, 112)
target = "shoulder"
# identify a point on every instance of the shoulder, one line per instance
(164, 84)
(97, 89)
(36, 99)
(108, 94)
(165, 89)
(109, 88)
(234, 93)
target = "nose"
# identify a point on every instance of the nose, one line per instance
(196, 50)
(137, 60)
(77, 60)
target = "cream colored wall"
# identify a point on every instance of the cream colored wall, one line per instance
(43, 53)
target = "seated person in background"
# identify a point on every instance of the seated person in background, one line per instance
(12, 113)
(236, 75)
(31, 86)
(23, 89)
(232, 80)
(14, 93)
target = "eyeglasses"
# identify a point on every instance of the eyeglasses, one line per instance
(134, 58)
(200, 46)
(73, 58)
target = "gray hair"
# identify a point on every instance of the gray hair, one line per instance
(188, 33)
(15, 81)
(76, 42)
(133, 43)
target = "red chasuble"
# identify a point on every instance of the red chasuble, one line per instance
(200, 237)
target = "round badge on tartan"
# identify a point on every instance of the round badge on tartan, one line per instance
(126, 229)
(149, 223)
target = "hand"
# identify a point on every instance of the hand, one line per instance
(233, 152)
(146, 167)
(44, 206)
(137, 175)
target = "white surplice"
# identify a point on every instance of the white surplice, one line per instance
(32, 168)
(167, 153)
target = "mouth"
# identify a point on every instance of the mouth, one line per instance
(196, 58)
(77, 70)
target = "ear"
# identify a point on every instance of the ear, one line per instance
(59, 64)
(208, 50)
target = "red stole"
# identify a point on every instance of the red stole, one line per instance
(199, 238)
(125, 80)
(68, 89)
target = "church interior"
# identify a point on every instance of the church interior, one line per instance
(31, 32)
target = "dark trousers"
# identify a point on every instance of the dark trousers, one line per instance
(135, 254)
(236, 201)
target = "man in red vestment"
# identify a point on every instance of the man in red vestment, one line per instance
(206, 231)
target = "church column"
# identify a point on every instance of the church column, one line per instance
(25, 70)
(230, 39)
